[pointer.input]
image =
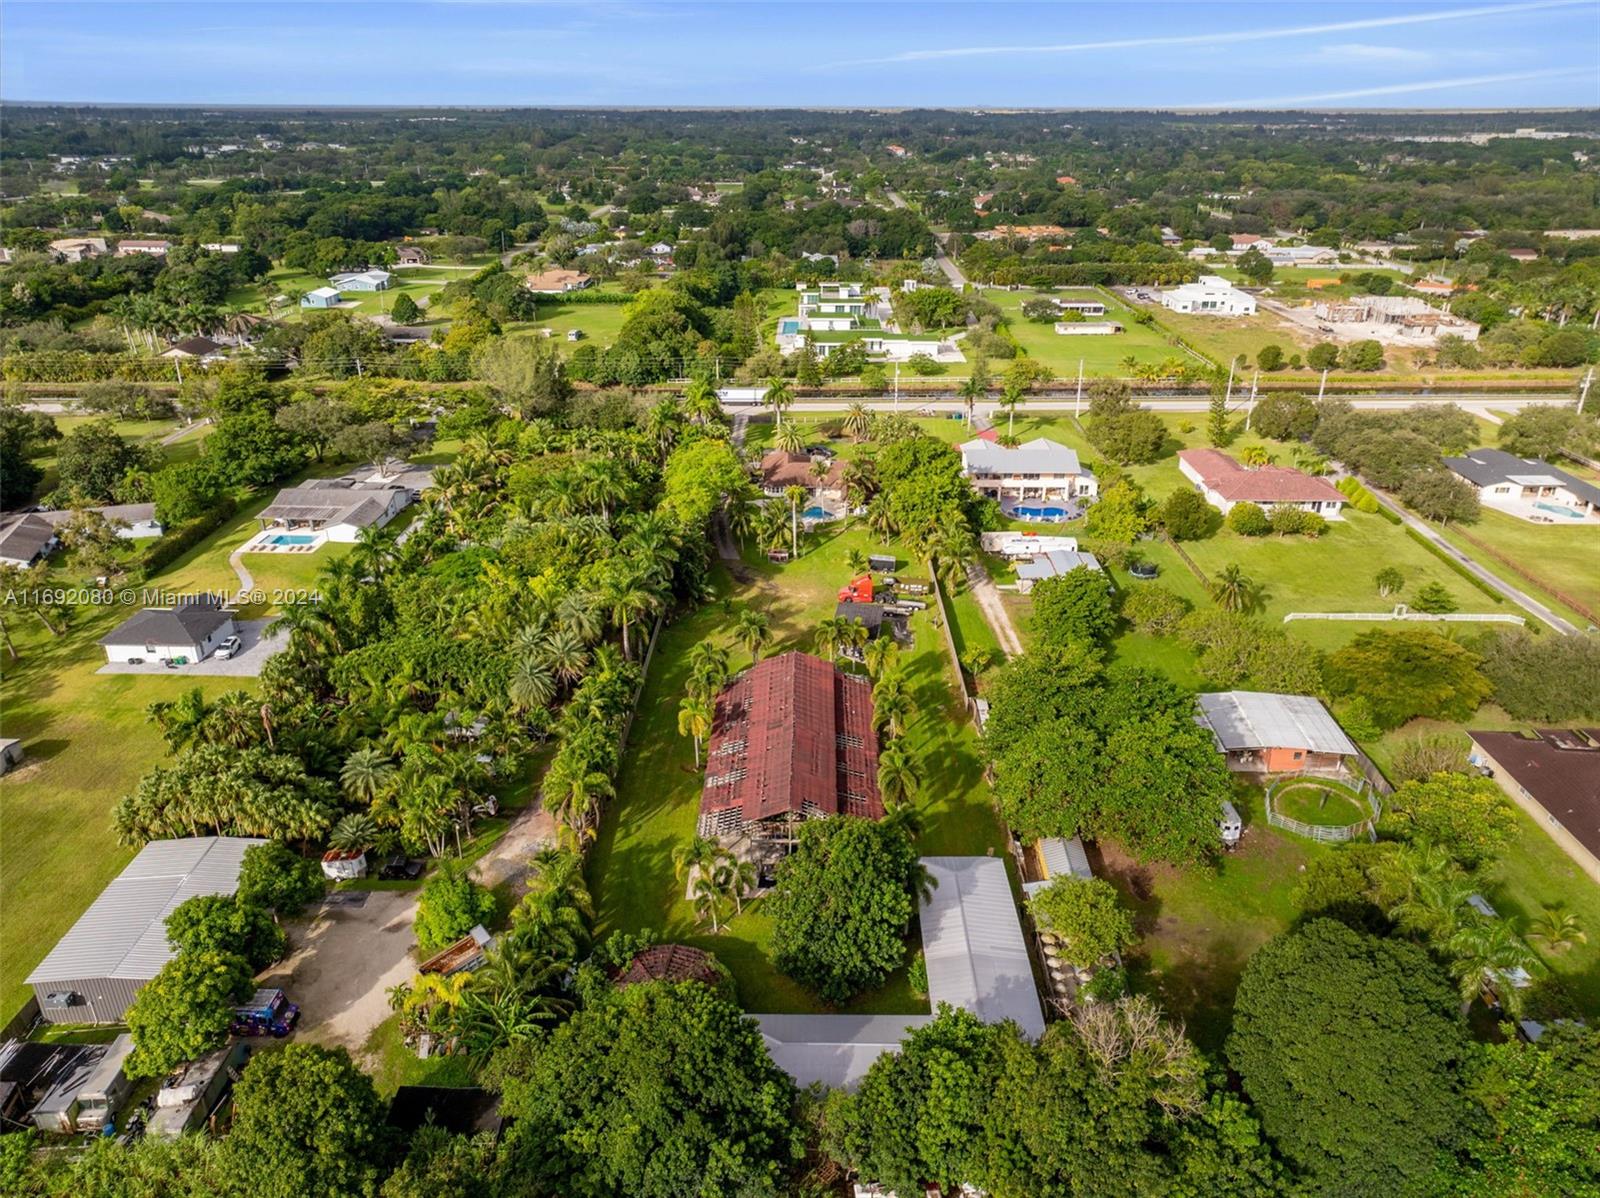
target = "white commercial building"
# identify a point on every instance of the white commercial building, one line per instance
(1211, 296)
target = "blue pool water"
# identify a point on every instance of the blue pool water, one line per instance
(817, 513)
(290, 539)
(788, 328)
(1557, 510)
(1033, 512)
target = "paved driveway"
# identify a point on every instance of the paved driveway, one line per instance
(256, 647)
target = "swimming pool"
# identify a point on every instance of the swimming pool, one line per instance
(1024, 511)
(817, 513)
(1557, 510)
(788, 328)
(290, 539)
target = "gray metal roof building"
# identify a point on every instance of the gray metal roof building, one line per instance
(977, 959)
(188, 624)
(1261, 720)
(120, 942)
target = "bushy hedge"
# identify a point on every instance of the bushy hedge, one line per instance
(173, 545)
(75, 366)
(1364, 500)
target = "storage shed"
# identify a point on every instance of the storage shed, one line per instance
(120, 942)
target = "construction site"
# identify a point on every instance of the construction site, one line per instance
(1396, 319)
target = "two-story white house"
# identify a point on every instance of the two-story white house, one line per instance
(1037, 469)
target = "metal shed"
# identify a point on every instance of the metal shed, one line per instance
(120, 942)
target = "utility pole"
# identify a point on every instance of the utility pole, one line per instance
(897, 388)
(1583, 391)
(1227, 396)
(1078, 408)
(1324, 386)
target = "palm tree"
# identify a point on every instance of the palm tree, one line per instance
(879, 655)
(1558, 929)
(708, 668)
(366, 774)
(952, 544)
(564, 653)
(795, 497)
(1013, 395)
(1487, 955)
(580, 611)
(753, 629)
(857, 421)
(779, 396)
(627, 601)
(790, 438)
(1255, 456)
(891, 706)
(695, 714)
(897, 775)
(856, 561)
(1232, 590)
(698, 854)
(973, 388)
(831, 634)
(532, 685)
(735, 878)
(700, 402)
(180, 719)
(355, 833)
(880, 518)
(709, 899)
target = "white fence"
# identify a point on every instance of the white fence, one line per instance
(1366, 827)
(1402, 613)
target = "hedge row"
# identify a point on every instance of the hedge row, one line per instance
(73, 366)
(586, 297)
(173, 545)
(1364, 500)
(1455, 565)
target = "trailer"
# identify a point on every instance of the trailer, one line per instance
(194, 1091)
(465, 954)
(102, 1095)
(742, 397)
(1230, 826)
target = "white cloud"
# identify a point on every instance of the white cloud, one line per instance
(1355, 53)
(1400, 89)
(1220, 37)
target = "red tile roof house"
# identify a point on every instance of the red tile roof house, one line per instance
(780, 470)
(792, 739)
(1224, 482)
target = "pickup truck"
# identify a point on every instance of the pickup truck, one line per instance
(268, 1013)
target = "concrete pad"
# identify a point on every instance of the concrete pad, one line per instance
(254, 650)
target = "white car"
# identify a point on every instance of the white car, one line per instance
(228, 648)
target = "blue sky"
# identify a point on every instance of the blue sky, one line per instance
(1069, 55)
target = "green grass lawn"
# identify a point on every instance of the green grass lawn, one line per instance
(1198, 926)
(87, 743)
(599, 323)
(419, 282)
(1564, 557)
(658, 789)
(1321, 802)
(1101, 356)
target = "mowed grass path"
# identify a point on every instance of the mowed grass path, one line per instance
(658, 790)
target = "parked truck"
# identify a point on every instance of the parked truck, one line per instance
(268, 1013)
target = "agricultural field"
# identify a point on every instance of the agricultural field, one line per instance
(658, 788)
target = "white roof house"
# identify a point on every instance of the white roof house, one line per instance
(321, 297)
(1039, 468)
(362, 280)
(1052, 564)
(1250, 720)
(120, 942)
(1211, 296)
(977, 959)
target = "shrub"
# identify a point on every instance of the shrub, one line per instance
(1291, 521)
(176, 543)
(1248, 520)
(451, 905)
(1270, 357)
(1154, 610)
(1323, 356)
(924, 364)
(1188, 517)
(1434, 599)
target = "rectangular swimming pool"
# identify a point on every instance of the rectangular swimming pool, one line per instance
(287, 538)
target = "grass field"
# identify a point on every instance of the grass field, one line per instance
(599, 323)
(1101, 356)
(658, 789)
(419, 282)
(1198, 927)
(87, 743)
(1566, 558)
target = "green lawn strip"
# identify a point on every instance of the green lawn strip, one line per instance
(658, 787)
(87, 743)
(1566, 558)
(1320, 801)
(1199, 926)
